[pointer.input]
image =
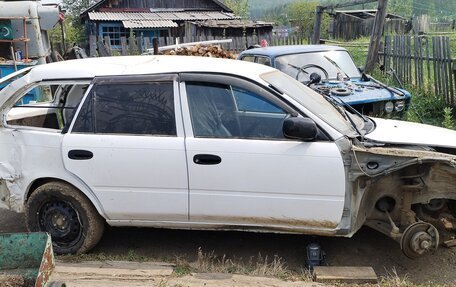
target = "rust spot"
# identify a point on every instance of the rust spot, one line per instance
(47, 266)
(269, 224)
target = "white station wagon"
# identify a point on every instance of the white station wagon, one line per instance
(200, 143)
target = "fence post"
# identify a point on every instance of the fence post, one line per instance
(107, 43)
(376, 35)
(92, 46)
(123, 43)
(146, 43)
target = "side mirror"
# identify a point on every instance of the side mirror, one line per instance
(314, 78)
(300, 128)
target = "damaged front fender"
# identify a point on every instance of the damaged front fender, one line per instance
(10, 193)
(387, 182)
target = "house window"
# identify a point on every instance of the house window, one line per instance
(114, 32)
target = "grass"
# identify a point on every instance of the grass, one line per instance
(257, 266)
(131, 255)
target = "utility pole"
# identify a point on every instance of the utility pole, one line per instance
(376, 37)
(319, 14)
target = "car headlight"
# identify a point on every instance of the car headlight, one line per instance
(389, 107)
(399, 106)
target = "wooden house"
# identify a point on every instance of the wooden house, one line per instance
(184, 19)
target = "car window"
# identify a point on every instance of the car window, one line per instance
(248, 58)
(264, 61)
(250, 102)
(129, 108)
(47, 105)
(226, 111)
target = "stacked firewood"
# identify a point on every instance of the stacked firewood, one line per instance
(213, 51)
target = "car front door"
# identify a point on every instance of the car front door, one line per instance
(127, 145)
(242, 171)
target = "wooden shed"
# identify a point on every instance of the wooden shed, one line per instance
(353, 24)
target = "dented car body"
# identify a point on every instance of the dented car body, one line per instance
(184, 142)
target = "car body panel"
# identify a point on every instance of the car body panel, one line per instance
(400, 132)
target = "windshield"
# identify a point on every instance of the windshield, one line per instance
(311, 100)
(328, 64)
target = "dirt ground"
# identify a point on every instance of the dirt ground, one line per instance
(366, 248)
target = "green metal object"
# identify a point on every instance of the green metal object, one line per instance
(26, 259)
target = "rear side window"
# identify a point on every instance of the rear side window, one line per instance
(248, 58)
(129, 108)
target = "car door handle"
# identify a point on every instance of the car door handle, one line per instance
(79, 154)
(207, 159)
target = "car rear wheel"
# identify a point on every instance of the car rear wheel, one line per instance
(67, 215)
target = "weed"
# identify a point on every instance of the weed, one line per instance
(258, 266)
(131, 255)
(393, 279)
(448, 121)
(182, 268)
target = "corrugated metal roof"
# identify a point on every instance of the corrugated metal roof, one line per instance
(138, 24)
(176, 16)
(233, 24)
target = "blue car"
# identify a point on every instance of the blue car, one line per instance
(330, 71)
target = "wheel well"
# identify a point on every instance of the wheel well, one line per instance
(40, 181)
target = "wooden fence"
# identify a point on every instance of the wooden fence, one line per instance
(423, 61)
(139, 45)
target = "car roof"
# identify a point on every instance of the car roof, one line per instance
(274, 51)
(143, 65)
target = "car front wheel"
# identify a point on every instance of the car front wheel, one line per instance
(67, 215)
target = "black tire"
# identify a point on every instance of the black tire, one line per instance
(67, 215)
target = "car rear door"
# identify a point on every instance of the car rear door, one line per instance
(127, 145)
(242, 171)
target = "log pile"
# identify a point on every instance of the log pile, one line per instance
(213, 51)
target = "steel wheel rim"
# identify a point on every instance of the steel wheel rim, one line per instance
(61, 220)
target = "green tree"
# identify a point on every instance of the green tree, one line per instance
(76, 7)
(301, 13)
(240, 7)
(74, 30)
(401, 7)
(73, 33)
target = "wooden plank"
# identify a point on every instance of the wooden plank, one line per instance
(345, 274)
(420, 62)
(92, 46)
(434, 65)
(416, 43)
(387, 53)
(139, 42)
(110, 273)
(123, 45)
(107, 44)
(147, 43)
(449, 243)
(428, 62)
(102, 51)
(448, 70)
(452, 80)
(376, 37)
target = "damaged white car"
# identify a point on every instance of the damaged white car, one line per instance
(183, 142)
